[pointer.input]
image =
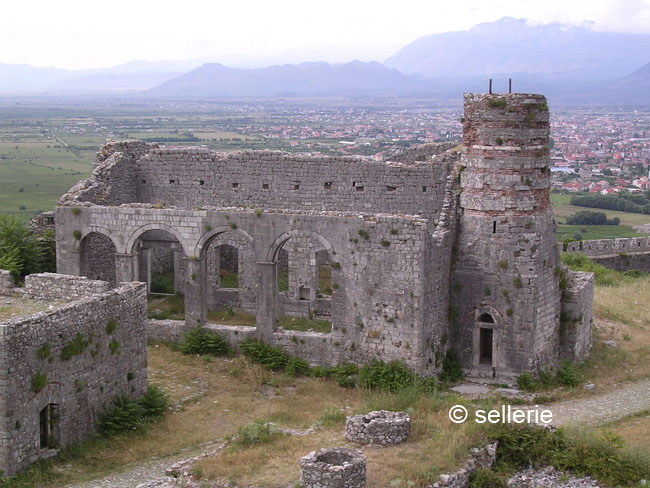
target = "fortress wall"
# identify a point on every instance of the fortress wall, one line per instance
(81, 386)
(600, 247)
(196, 177)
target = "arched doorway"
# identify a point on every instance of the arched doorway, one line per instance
(485, 339)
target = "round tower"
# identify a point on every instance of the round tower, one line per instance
(505, 292)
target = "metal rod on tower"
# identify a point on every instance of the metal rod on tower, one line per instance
(490, 86)
(509, 85)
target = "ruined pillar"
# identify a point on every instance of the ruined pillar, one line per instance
(126, 267)
(196, 303)
(267, 299)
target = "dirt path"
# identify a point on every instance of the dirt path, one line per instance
(603, 408)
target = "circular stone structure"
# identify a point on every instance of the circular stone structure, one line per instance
(338, 467)
(379, 427)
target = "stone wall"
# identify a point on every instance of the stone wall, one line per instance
(621, 254)
(576, 318)
(68, 359)
(52, 286)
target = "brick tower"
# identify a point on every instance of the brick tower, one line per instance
(505, 294)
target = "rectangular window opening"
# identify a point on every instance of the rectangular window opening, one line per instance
(391, 188)
(327, 185)
(265, 186)
(486, 340)
(494, 227)
(424, 189)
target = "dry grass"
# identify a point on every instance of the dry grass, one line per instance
(434, 446)
(635, 431)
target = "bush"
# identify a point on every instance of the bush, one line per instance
(452, 369)
(392, 376)
(486, 478)
(271, 357)
(257, 432)
(203, 341)
(39, 381)
(568, 375)
(162, 283)
(602, 276)
(21, 252)
(594, 454)
(154, 402)
(128, 413)
(297, 367)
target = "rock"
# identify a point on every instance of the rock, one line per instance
(589, 386)
(610, 343)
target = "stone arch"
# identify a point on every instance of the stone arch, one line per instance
(276, 245)
(242, 297)
(159, 250)
(300, 297)
(97, 255)
(133, 239)
(208, 236)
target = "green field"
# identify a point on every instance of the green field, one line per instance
(36, 170)
(562, 208)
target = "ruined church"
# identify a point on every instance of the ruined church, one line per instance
(424, 253)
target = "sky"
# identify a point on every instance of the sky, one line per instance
(79, 34)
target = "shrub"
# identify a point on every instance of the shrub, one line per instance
(385, 243)
(110, 327)
(76, 234)
(44, 351)
(39, 381)
(568, 374)
(452, 369)
(162, 283)
(297, 367)
(203, 341)
(392, 376)
(594, 454)
(602, 276)
(486, 478)
(114, 346)
(270, 357)
(497, 102)
(257, 432)
(74, 348)
(363, 233)
(127, 413)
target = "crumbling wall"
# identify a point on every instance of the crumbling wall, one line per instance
(71, 358)
(52, 286)
(113, 179)
(576, 319)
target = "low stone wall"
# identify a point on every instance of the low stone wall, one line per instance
(67, 365)
(576, 318)
(381, 427)
(52, 286)
(601, 247)
(480, 457)
(333, 468)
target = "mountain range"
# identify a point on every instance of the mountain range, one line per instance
(567, 63)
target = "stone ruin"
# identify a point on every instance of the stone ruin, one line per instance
(380, 427)
(419, 255)
(333, 468)
(62, 366)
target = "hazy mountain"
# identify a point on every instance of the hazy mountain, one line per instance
(555, 52)
(112, 82)
(24, 78)
(305, 79)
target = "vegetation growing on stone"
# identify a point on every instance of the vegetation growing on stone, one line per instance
(74, 348)
(39, 381)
